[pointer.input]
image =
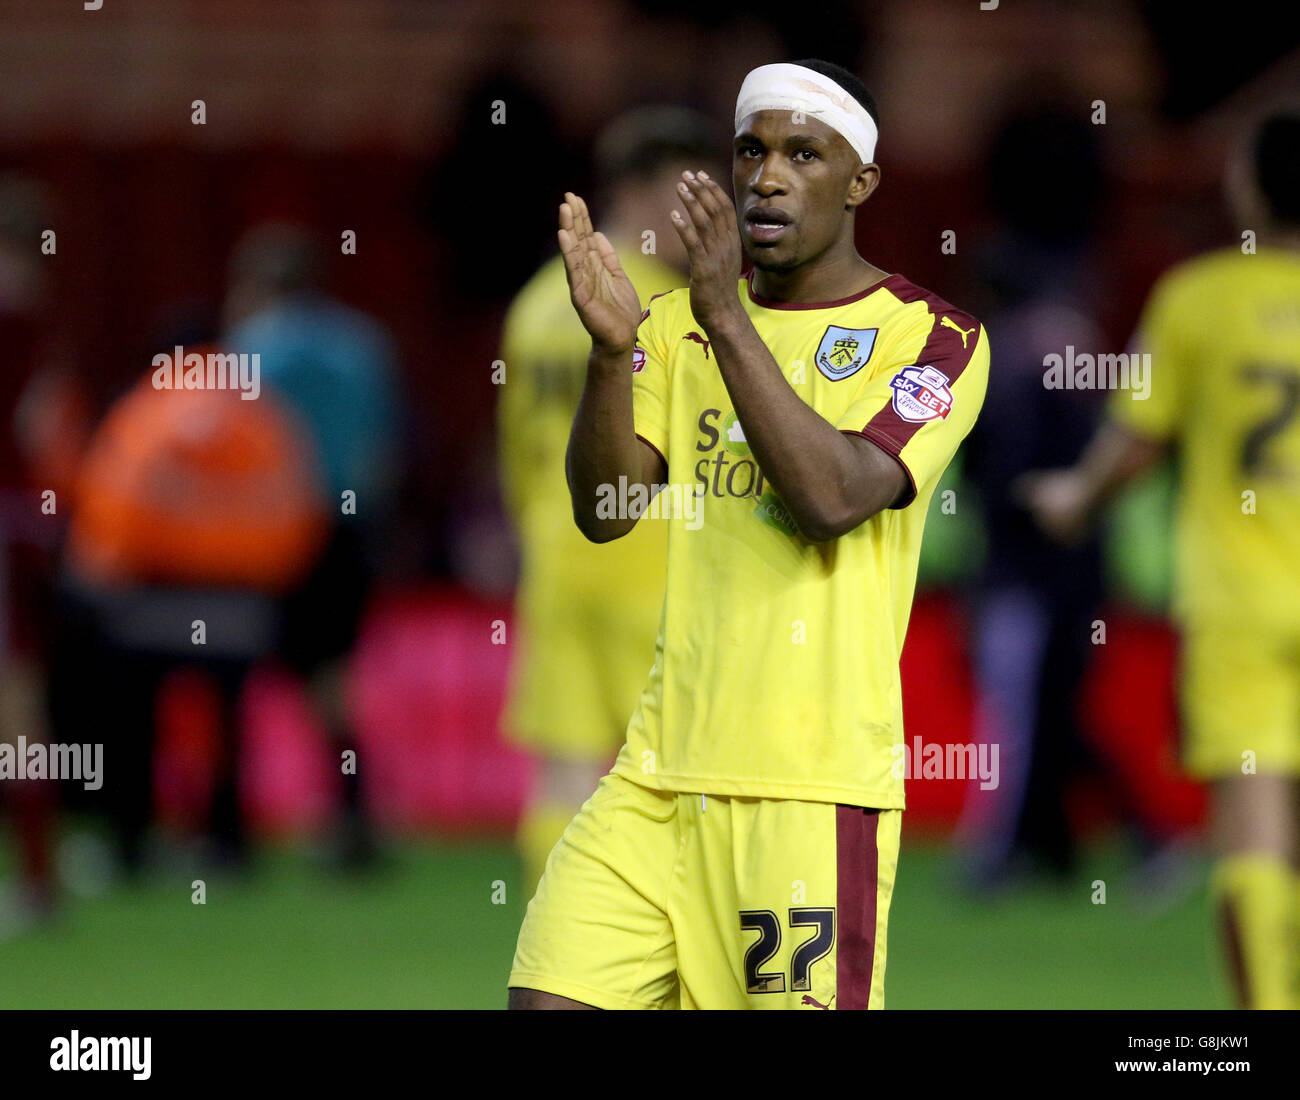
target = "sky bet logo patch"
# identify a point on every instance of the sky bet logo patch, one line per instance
(844, 351)
(638, 360)
(921, 394)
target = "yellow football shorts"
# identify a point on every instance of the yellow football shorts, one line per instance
(657, 899)
(1240, 694)
(581, 668)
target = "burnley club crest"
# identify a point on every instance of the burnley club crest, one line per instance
(844, 351)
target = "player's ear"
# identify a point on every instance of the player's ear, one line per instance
(865, 180)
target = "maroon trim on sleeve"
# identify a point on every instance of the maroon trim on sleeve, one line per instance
(653, 448)
(887, 445)
(771, 303)
(943, 350)
(857, 870)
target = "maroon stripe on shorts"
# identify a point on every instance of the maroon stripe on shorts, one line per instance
(1236, 955)
(856, 869)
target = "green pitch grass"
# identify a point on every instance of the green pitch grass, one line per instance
(426, 933)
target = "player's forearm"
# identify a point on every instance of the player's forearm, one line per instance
(816, 469)
(602, 445)
(1115, 457)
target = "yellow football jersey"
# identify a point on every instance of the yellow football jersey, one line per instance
(1223, 335)
(587, 613)
(776, 666)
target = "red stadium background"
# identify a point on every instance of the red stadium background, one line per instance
(358, 115)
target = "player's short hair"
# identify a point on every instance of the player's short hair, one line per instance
(1276, 156)
(845, 80)
(645, 140)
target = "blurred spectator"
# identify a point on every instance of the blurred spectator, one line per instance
(1034, 601)
(22, 540)
(336, 367)
(39, 435)
(194, 511)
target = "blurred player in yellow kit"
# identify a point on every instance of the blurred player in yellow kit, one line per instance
(741, 852)
(1223, 334)
(587, 614)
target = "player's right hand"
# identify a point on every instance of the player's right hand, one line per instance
(603, 295)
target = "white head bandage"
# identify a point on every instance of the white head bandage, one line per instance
(786, 87)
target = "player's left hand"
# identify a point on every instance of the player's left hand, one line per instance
(712, 240)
